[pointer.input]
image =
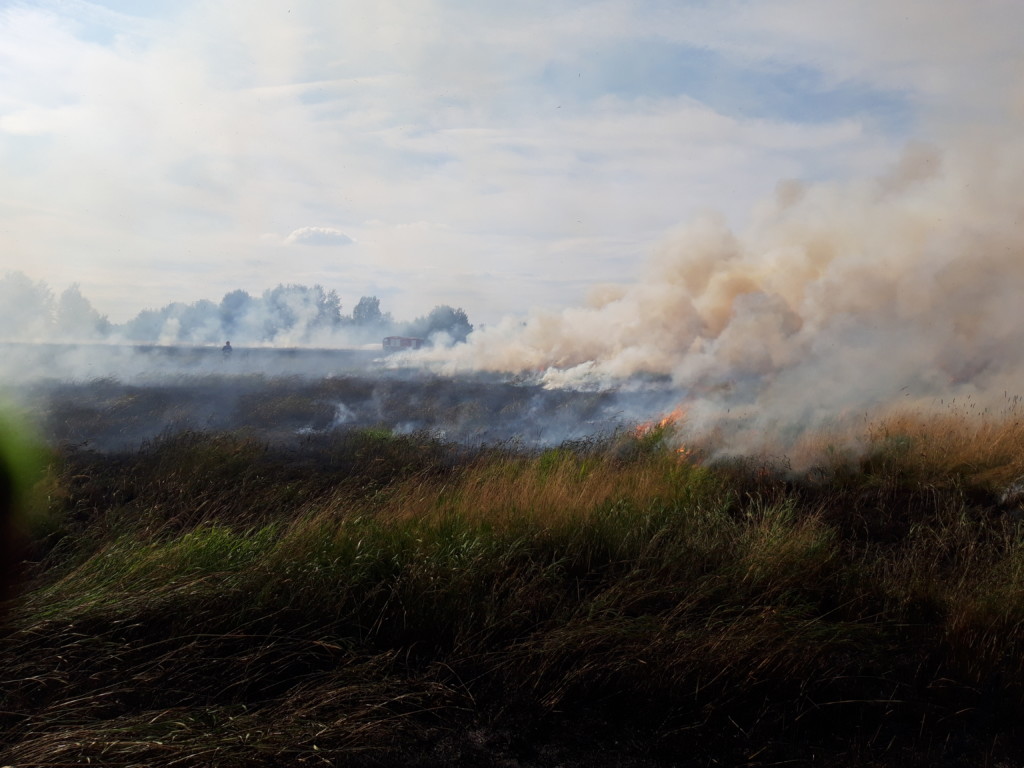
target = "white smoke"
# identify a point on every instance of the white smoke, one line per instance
(837, 298)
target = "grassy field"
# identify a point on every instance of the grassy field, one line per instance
(365, 598)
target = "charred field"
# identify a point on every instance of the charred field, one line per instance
(372, 570)
(109, 414)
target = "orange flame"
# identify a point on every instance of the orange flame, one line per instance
(649, 426)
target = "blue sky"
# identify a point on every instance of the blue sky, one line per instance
(491, 156)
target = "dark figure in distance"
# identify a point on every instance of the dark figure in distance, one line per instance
(226, 350)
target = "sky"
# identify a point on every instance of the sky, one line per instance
(492, 156)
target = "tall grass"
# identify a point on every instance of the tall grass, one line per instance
(380, 599)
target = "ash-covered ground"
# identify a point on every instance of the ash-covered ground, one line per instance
(284, 396)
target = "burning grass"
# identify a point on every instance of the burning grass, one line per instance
(369, 598)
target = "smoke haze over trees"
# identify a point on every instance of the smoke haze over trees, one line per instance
(286, 315)
(76, 318)
(442, 319)
(26, 307)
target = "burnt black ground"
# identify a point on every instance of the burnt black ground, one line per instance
(111, 414)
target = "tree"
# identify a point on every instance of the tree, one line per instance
(77, 319)
(328, 307)
(145, 326)
(26, 307)
(296, 310)
(367, 311)
(198, 322)
(443, 319)
(233, 309)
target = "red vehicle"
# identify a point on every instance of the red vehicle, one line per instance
(398, 343)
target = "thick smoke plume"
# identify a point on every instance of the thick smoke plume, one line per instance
(839, 298)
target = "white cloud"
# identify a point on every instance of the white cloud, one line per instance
(318, 236)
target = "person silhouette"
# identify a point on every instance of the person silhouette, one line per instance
(226, 349)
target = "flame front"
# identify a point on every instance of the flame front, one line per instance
(670, 419)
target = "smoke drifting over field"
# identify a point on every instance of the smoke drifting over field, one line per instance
(111, 415)
(839, 298)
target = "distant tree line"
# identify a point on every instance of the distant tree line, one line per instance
(287, 314)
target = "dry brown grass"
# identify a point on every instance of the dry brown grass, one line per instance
(369, 599)
(943, 442)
